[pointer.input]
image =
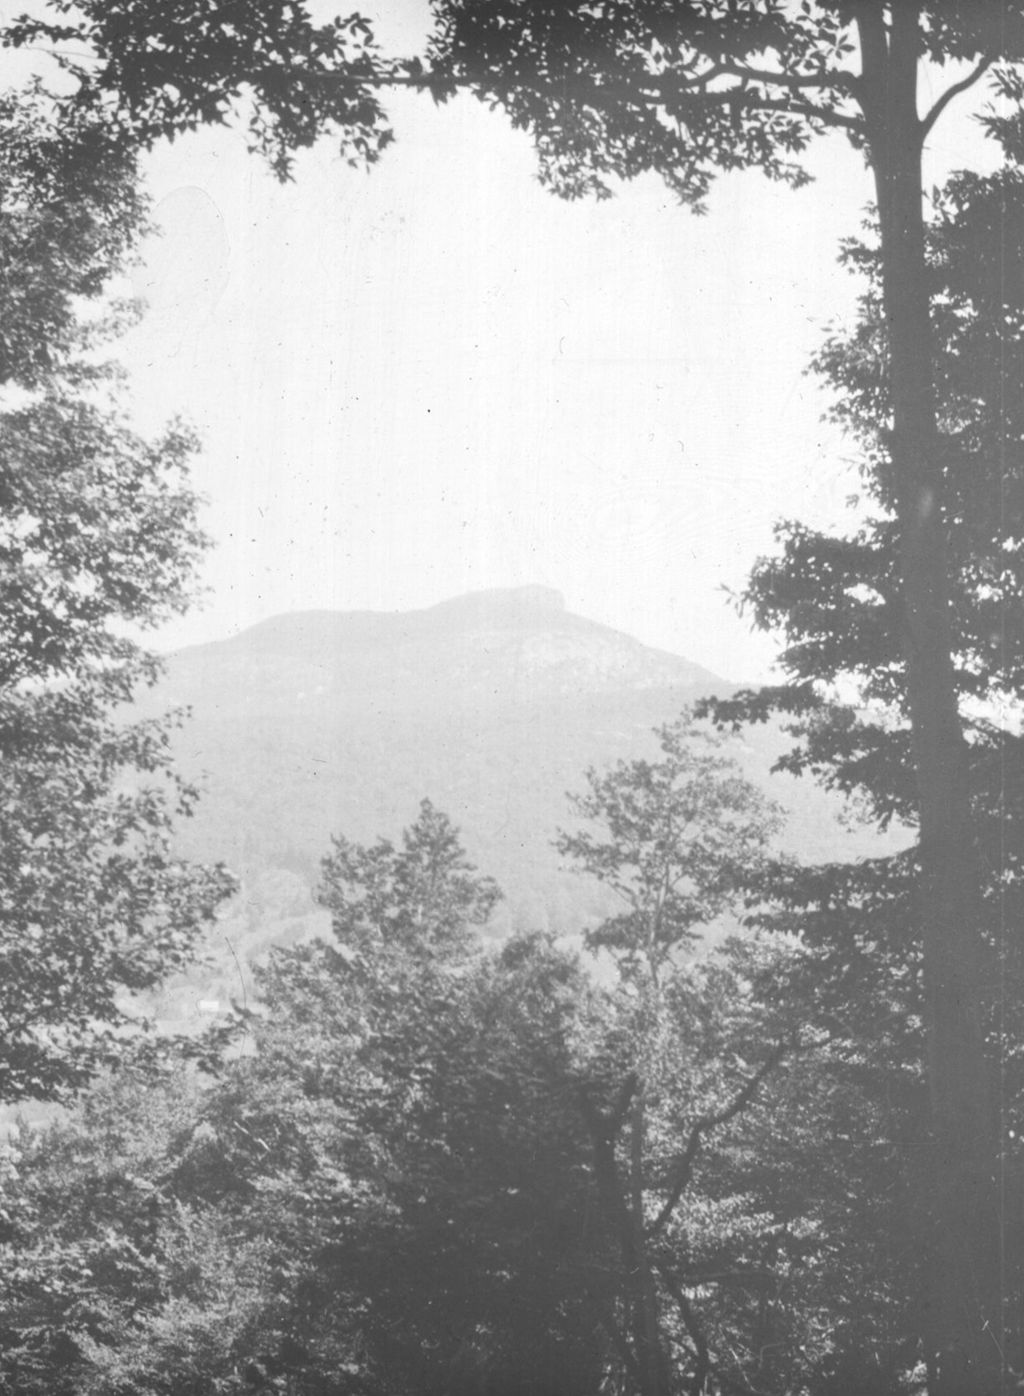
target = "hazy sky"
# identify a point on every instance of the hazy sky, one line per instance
(436, 377)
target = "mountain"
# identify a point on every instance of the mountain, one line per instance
(492, 705)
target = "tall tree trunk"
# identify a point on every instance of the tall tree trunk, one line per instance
(963, 1304)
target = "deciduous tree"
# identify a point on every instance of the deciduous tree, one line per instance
(675, 838)
(98, 537)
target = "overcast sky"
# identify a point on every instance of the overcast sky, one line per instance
(436, 377)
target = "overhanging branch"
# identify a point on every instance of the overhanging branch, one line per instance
(669, 94)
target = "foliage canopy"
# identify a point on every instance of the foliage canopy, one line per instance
(98, 537)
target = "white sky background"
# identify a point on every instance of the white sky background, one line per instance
(436, 377)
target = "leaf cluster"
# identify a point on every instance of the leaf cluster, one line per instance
(159, 70)
(71, 213)
(613, 91)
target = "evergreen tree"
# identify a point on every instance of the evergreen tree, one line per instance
(836, 600)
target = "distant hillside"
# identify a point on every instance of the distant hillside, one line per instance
(493, 705)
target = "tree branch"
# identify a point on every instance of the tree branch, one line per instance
(743, 98)
(700, 1343)
(839, 120)
(606, 1127)
(753, 1276)
(823, 81)
(874, 56)
(597, 95)
(607, 1321)
(684, 1169)
(618, 1113)
(660, 90)
(955, 90)
(841, 80)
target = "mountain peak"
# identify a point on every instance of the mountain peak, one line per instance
(503, 601)
(496, 606)
(511, 644)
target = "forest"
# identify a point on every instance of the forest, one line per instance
(418, 1162)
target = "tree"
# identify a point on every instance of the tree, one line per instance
(836, 601)
(789, 1235)
(333, 1138)
(773, 1203)
(678, 839)
(386, 1192)
(422, 901)
(675, 840)
(460, 1220)
(98, 535)
(422, 1174)
(685, 92)
(89, 1248)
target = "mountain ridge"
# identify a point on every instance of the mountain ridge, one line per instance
(493, 705)
(545, 646)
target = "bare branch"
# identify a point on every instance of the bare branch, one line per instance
(955, 90)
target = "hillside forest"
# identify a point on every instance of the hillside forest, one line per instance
(743, 1121)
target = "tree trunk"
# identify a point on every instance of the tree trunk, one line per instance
(620, 1204)
(963, 1304)
(648, 1322)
